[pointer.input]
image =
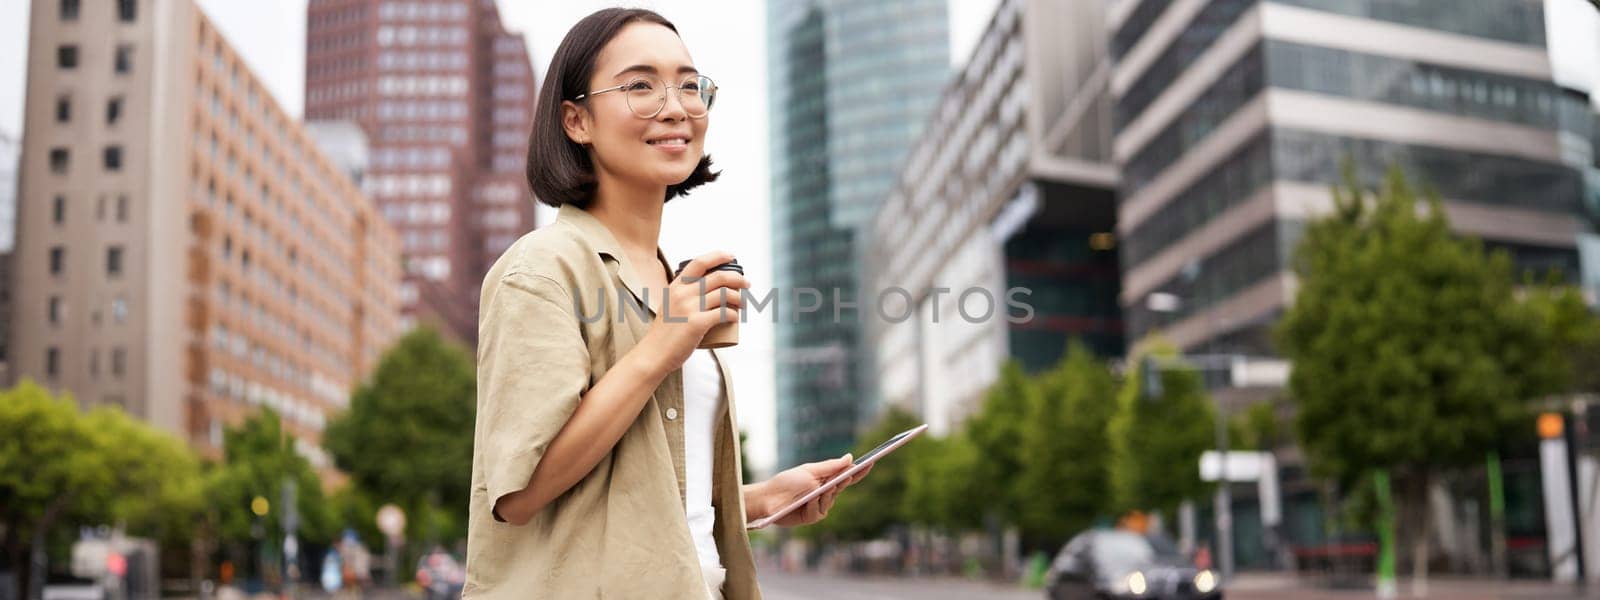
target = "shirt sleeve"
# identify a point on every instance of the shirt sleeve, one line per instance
(533, 367)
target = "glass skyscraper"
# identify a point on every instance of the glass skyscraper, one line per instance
(852, 84)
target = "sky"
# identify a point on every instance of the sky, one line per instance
(726, 38)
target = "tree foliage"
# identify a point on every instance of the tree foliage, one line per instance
(258, 457)
(1409, 348)
(407, 437)
(1061, 487)
(1158, 440)
(61, 469)
(996, 431)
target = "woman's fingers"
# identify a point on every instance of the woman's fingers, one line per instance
(700, 264)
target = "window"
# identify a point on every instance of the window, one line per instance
(58, 260)
(119, 361)
(113, 110)
(114, 261)
(122, 209)
(69, 9)
(67, 56)
(119, 310)
(124, 59)
(58, 210)
(58, 160)
(94, 363)
(52, 362)
(57, 311)
(127, 10)
(113, 158)
(63, 109)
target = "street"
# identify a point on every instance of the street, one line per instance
(778, 585)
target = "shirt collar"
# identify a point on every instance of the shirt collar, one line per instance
(605, 244)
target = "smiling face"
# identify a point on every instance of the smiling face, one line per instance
(662, 150)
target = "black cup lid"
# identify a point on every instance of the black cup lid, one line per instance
(731, 265)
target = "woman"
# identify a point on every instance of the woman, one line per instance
(605, 461)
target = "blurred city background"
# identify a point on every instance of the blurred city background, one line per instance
(1311, 288)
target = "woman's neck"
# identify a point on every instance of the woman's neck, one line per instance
(632, 213)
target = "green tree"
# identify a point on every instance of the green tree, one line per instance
(1061, 487)
(258, 457)
(1574, 332)
(1411, 353)
(407, 438)
(942, 490)
(61, 469)
(996, 431)
(1159, 439)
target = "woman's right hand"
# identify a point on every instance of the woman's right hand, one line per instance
(695, 302)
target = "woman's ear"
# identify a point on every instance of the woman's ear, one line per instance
(575, 122)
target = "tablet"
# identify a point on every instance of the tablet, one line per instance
(861, 462)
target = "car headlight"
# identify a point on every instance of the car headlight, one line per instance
(1132, 583)
(1205, 581)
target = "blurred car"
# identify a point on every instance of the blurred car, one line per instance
(440, 576)
(1111, 563)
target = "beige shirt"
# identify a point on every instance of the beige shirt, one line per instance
(545, 335)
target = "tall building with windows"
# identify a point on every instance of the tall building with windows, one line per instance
(184, 249)
(445, 96)
(1234, 116)
(852, 84)
(1010, 187)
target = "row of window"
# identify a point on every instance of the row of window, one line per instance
(1201, 32)
(1358, 76)
(127, 10)
(1317, 158)
(67, 58)
(422, 86)
(415, 110)
(1135, 25)
(58, 210)
(1409, 83)
(58, 261)
(64, 109)
(421, 36)
(1516, 21)
(1246, 261)
(417, 213)
(118, 366)
(431, 11)
(56, 311)
(422, 133)
(61, 159)
(400, 60)
(412, 185)
(412, 157)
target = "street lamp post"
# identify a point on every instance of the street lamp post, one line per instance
(1164, 302)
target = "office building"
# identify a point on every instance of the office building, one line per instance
(1233, 118)
(184, 249)
(1010, 187)
(852, 85)
(444, 94)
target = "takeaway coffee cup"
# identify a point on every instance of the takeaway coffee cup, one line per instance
(726, 333)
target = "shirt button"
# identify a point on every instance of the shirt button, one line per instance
(672, 413)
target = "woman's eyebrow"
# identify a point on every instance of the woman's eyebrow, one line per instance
(650, 69)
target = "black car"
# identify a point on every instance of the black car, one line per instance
(1110, 563)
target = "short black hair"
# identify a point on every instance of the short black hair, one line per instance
(559, 169)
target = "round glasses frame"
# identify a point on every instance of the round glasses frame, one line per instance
(707, 94)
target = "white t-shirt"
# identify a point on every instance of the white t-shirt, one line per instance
(702, 393)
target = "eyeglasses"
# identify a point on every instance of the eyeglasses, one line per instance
(647, 95)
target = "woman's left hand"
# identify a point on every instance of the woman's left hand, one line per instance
(790, 485)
